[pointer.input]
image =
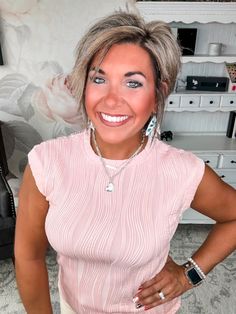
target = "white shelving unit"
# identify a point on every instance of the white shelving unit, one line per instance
(217, 151)
(188, 12)
(194, 12)
(207, 58)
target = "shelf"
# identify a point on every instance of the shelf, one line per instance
(207, 58)
(182, 92)
(206, 143)
(199, 109)
(202, 12)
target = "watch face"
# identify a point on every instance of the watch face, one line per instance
(194, 276)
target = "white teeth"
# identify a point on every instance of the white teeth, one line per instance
(113, 118)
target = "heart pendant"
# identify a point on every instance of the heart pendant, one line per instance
(110, 187)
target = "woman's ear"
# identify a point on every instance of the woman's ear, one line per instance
(165, 88)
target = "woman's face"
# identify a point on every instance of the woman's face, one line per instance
(120, 93)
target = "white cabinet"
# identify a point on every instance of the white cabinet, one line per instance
(218, 152)
(201, 101)
(224, 164)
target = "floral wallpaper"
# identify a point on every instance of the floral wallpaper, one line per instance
(38, 39)
(34, 113)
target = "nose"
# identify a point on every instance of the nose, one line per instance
(112, 98)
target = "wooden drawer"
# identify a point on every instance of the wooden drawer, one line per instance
(190, 101)
(210, 159)
(228, 161)
(228, 101)
(210, 101)
(173, 101)
(228, 175)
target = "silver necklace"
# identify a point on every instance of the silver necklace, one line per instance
(110, 185)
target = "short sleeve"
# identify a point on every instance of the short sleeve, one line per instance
(194, 168)
(41, 168)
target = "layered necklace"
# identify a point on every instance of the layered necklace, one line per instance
(110, 185)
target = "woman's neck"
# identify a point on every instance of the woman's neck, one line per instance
(117, 151)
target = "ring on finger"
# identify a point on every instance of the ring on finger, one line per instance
(161, 295)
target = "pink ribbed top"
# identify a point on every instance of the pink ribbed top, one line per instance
(109, 243)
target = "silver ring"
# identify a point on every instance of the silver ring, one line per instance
(161, 295)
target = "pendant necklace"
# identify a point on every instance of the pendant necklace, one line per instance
(110, 185)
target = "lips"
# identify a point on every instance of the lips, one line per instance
(114, 119)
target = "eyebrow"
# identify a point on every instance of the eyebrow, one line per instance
(97, 70)
(128, 74)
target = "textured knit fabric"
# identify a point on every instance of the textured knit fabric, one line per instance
(65, 308)
(109, 243)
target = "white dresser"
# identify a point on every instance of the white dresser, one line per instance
(218, 152)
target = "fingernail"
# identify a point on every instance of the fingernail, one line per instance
(138, 305)
(135, 299)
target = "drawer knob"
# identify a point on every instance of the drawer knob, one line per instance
(233, 162)
(170, 102)
(207, 161)
(191, 102)
(223, 176)
(211, 101)
(231, 102)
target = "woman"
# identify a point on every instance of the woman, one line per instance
(99, 197)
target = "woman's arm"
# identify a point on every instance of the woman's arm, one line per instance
(30, 247)
(217, 200)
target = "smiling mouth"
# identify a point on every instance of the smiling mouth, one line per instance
(113, 119)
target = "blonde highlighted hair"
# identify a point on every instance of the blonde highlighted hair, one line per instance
(121, 27)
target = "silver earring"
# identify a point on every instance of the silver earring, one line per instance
(151, 126)
(158, 130)
(90, 125)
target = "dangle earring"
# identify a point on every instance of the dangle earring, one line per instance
(90, 125)
(158, 130)
(151, 126)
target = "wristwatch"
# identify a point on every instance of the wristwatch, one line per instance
(193, 273)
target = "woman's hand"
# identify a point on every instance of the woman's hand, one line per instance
(168, 284)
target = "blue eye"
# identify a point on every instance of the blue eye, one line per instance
(134, 84)
(97, 80)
